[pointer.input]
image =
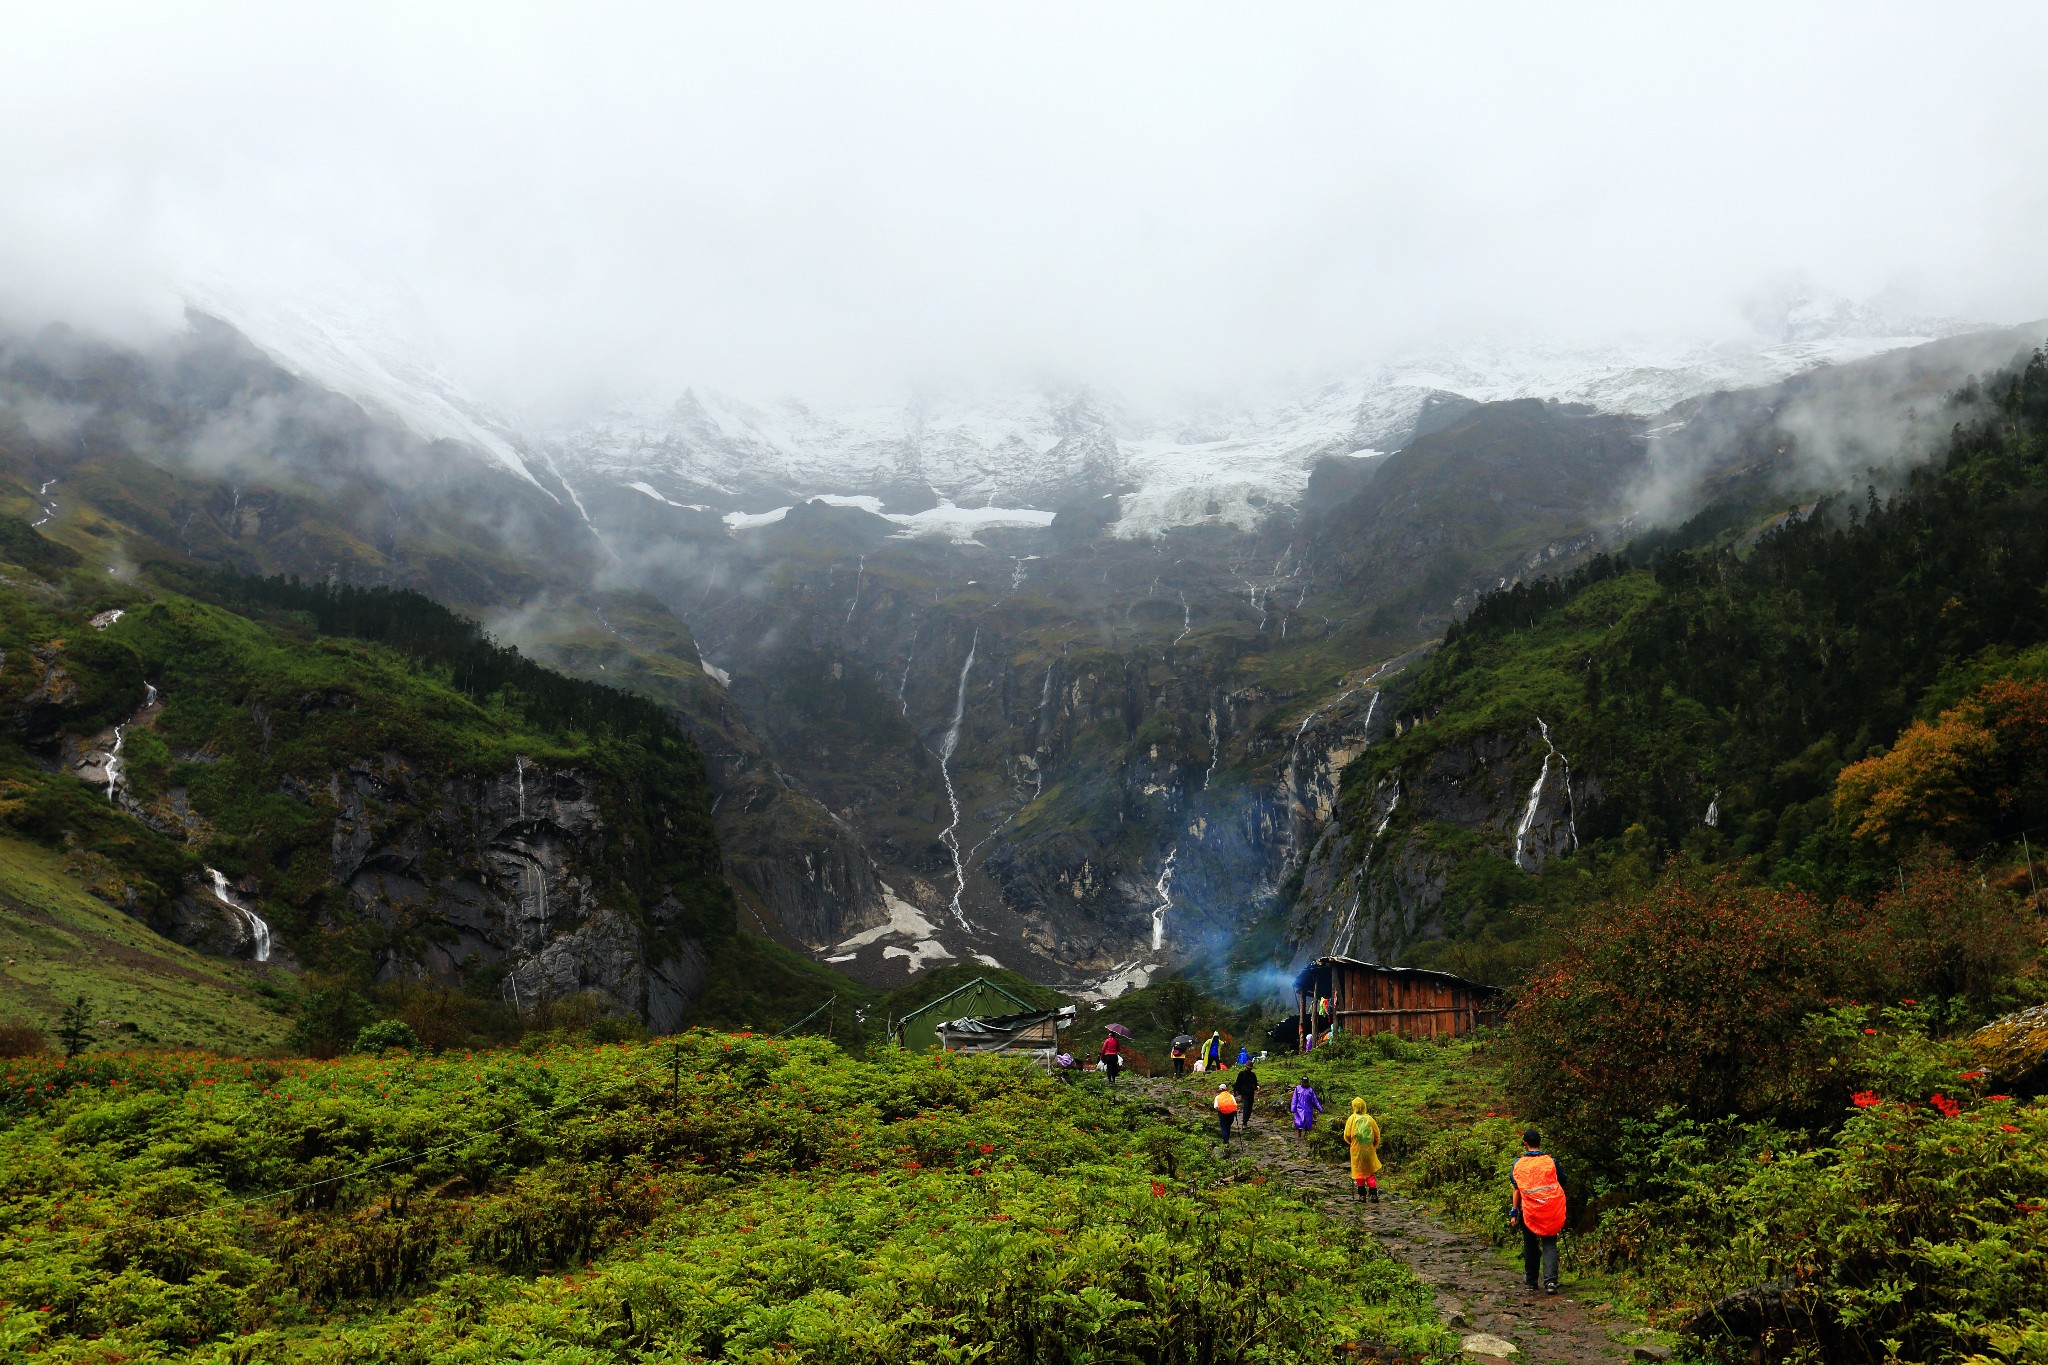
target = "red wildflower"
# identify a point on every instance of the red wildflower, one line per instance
(1865, 1099)
(1971, 1075)
(987, 1148)
(1948, 1107)
(1909, 1002)
(1158, 1190)
(1870, 1030)
(1998, 1097)
(2010, 1128)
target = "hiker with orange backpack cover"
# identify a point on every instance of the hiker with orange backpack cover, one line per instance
(1226, 1110)
(1538, 1208)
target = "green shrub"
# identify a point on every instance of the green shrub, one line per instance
(707, 1197)
(20, 1038)
(375, 1038)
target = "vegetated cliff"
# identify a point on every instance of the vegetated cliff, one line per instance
(1700, 691)
(269, 783)
(202, 448)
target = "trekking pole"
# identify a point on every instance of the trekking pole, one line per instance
(2032, 885)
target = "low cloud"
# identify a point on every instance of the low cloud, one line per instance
(810, 198)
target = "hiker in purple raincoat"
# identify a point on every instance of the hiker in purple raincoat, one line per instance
(1303, 1104)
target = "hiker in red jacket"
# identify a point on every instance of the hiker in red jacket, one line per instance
(1537, 1207)
(1112, 1057)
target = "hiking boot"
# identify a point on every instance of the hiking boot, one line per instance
(1550, 1287)
(1529, 1285)
(1374, 1193)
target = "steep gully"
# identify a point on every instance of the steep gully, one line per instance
(255, 927)
(1088, 866)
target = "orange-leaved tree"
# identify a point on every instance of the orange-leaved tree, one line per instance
(1977, 772)
(1692, 995)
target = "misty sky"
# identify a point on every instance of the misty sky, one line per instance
(798, 197)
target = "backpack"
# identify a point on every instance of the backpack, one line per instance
(1226, 1103)
(1542, 1197)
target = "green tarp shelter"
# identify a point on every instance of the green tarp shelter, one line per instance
(919, 1029)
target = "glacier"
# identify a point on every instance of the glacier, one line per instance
(952, 461)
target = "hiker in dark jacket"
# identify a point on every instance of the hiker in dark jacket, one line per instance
(1246, 1087)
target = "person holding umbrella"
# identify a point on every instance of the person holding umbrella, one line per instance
(1112, 1050)
(1181, 1043)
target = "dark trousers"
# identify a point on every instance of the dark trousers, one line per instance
(1538, 1251)
(1244, 1111)
(1180, 1066)
(1223, 1126)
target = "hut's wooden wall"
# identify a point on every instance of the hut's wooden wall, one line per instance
(1366, 1001)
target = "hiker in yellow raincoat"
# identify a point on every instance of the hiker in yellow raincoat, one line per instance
(1362, 1132)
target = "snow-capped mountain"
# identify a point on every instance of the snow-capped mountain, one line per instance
(1025, 452)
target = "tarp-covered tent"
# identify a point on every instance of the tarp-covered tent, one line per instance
(1036, 1032)
(919, 1029)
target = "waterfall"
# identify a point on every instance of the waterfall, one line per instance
(859, 578)
(149, 695)
(904, 681)
(1042, 746)
(1164, 886)
(1215, 749)
(259, 931)
(1713, 817)
(950, 835)
(1528, 820)
(519, 770)
(114, 760)
(1187, 619)
(1343, 942)
(51, 510)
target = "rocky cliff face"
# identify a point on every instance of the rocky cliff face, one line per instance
(1373, 883)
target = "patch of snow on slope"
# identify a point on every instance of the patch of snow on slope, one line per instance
(364, 343)
(920, 943)
(658, 496)
(962, 524)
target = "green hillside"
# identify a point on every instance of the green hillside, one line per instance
(263, 723)
(59, 942)
(1740, 674)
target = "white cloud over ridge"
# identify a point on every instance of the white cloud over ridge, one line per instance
(803, 198)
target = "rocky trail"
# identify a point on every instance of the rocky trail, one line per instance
(1479, 1294)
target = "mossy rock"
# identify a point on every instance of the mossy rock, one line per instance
(2015, 1049)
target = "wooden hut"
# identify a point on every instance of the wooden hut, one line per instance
(1363, 997)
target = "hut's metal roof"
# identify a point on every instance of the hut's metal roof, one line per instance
(1303, 981)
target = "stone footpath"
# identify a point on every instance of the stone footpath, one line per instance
(1478, 1294)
